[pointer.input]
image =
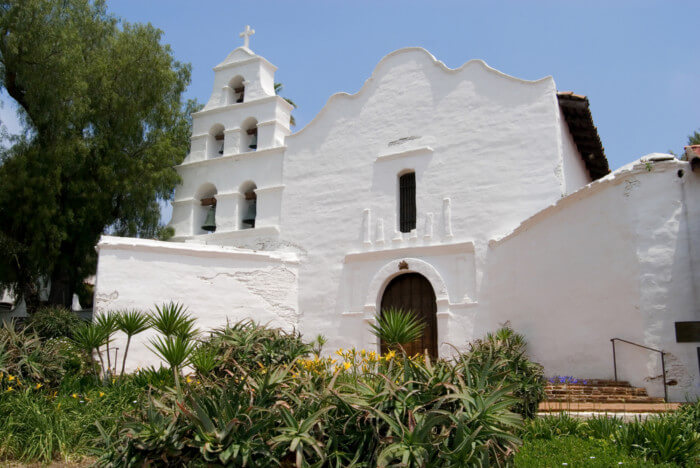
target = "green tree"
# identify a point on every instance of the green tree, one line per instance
(694, 139)
(104, 125)
(278, 90)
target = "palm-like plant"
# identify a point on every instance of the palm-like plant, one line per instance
(176, 351)
(89, 338)
(396, 327)
(131, 322)
(107, 321)
(172, 319)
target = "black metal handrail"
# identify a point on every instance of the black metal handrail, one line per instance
(663, 364)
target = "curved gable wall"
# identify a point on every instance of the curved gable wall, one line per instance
(489, 142)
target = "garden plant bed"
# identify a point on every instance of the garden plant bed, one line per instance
(264, 397)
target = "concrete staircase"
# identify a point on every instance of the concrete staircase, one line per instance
(602, 396)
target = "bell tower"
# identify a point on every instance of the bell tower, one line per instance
(232, 178)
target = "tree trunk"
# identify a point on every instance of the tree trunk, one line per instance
(61, 292)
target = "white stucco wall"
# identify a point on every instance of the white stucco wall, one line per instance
(610, 261)
(217, 284)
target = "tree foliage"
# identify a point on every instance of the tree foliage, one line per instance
(694, 138)
(104, 125)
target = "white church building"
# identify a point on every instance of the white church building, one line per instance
(469, 196)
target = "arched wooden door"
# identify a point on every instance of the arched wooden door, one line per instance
(412, 291)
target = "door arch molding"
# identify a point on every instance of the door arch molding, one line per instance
(391, 270)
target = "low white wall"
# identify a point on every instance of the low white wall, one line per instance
(215, 283)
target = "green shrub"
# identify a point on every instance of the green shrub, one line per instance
(24, 356)
(551, 427)
(314, 412)
(668, 438)
(509, 349)
(671, 438)
(54, 322)
(151, 377)
(247, 345)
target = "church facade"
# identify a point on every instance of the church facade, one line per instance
(469, 196)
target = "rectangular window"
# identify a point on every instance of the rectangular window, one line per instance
(407, 202)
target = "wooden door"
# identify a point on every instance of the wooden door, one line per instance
(412, 291)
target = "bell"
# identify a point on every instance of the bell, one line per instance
(254, 142)
(249, 218)
(210, 222)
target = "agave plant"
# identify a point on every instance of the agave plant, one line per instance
(397, 327)
(131, 322)
(172, 319)
(204, 358)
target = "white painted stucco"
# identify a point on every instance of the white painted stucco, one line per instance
(509, 226)
(217, 284)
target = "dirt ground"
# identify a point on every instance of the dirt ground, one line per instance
(79, 464)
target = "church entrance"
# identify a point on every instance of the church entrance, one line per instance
(412, 291)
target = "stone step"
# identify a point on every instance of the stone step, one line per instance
(582, 389)
(597, 383)
(598, 391)
(605, 398)
(558, 407)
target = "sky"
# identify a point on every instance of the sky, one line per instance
(637, 61)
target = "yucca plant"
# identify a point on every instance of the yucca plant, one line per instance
(397, 327)
(172, 319)
(89, 338)
(131, 322)
(107, 321)
(176, 351)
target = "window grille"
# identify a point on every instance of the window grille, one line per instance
(407, 202)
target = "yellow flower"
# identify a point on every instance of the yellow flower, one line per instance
(363, 353)
(9, 389)
(75, 395)
(38, 386)
(339, 352)
(347, 365)
(10, 378)
(390, 355)
(189, 379)
(198, 382)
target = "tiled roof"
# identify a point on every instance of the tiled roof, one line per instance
(578, 117)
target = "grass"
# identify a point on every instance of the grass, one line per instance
(38, 425)
(669, 440)
(575, 451)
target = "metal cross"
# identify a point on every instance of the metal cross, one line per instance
(246, 36)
